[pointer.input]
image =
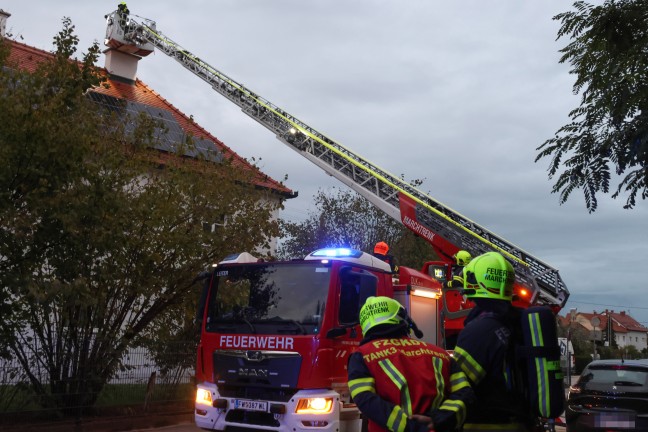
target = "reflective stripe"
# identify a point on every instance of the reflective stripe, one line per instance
(458, 381)
(360, 385)
(440, 382)
(397, 420)
(469, 366)
(458, 407)
(542, 370)
(400, 382)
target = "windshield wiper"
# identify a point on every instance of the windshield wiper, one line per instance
(627, 383)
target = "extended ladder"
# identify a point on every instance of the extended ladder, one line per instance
(444, 228)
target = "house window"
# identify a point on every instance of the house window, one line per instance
(213, 226)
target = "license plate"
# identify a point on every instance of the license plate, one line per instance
(615, 420)
(250, 405)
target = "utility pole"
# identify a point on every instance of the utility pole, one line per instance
(596, 321)
(609, 329)
(572, 318)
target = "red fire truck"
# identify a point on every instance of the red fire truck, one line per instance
(275, 336)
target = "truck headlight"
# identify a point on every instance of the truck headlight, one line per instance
(314, 406)
(203, 397)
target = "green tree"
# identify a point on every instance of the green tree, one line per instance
(344, 218)
(608, 132)
(99, 234)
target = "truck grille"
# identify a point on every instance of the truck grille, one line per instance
(257, 393)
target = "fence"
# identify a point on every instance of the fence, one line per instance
(141, 386)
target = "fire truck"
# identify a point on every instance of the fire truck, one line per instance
(275, 336)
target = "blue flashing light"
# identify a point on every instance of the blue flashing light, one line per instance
(337, 253)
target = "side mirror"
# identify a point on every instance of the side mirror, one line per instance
(205, 278)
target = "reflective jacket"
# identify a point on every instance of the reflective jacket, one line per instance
(483, 354)
(391, 379)
(457, 280)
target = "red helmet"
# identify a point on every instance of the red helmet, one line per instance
(381, 248)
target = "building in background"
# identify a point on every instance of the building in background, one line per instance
(619, 328)
(125, 86)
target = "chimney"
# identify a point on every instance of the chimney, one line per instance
(622, 313)
(3, 22)
(121, 64)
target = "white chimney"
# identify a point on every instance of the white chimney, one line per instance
(3, 22)
(121, 64)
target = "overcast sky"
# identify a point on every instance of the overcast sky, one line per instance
(459, 94)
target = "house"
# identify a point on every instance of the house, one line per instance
(125, 86)
(609, 325)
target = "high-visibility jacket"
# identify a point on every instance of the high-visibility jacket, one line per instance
(457, 280)
(483, 353)
(391, 379)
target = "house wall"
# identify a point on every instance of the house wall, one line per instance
(638, 339)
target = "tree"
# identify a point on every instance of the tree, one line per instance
(99, 233)
(609, 130)
(344, 218)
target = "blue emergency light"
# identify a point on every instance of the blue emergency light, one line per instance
(337, 253)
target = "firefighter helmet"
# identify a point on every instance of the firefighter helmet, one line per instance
(463, 257)
(381, 248)
(489, 276)
(381, 310)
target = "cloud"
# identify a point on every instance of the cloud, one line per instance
(459, 94)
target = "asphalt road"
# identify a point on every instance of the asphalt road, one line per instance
(191, 427)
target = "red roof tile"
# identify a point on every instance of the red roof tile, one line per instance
(625, 320)
(27, 58)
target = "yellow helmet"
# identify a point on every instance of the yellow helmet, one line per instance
(489, 276)
(380, 310)
(463, 257)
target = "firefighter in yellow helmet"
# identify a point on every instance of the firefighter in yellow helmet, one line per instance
(462, 258)
(123, 12)
(482, 349)
(400, 383)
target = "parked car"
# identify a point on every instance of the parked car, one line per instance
(610, 395)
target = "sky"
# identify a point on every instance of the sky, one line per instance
(457, 94)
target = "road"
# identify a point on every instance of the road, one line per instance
(191, 427)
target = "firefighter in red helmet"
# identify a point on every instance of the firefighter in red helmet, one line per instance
(381, 251)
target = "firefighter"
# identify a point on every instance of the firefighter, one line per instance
(122, 8)
(400, 383)
(462, 258)
(482, 349)
(455, 284)
(122, 11)
(381, 251)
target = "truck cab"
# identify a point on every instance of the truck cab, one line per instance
(276, 336)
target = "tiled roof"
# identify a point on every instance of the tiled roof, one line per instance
(621, 321)
(625, 320)
(27, 58)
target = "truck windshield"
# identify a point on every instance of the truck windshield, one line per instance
(286, 298)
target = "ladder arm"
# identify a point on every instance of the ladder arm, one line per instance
(445, 229)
